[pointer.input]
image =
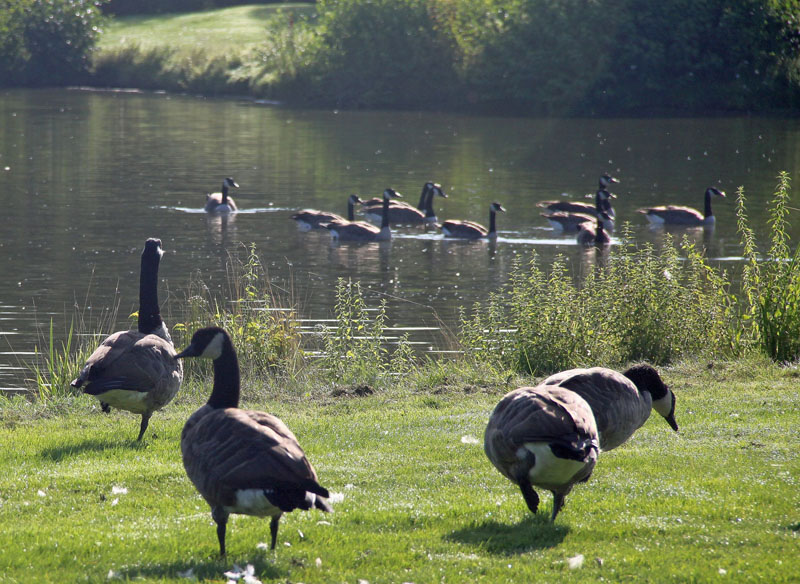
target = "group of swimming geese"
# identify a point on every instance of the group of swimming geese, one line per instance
(249, 462)
(591, 222)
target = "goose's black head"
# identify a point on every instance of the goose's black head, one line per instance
(353, 199)
(497, 207)
(436, 188)
(714, 191)
(646, 378)
(229, 182)
(210, 343)
(152, 248)
(389, 194)
(606, 180)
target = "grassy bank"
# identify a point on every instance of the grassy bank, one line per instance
(418, 501)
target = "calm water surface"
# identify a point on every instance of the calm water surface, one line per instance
(86, 177)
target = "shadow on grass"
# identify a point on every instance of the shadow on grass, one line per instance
(535, 532)
(212, 569)
(78, 448)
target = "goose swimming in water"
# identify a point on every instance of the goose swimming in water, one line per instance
(472, 230)
(678, 215)
(309, 219)
(602, 201)
(403, 213)
(221, 202)
(361, 230)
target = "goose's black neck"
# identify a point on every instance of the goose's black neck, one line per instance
(224, 194)
(707, 211)
(429, 212)
(599, 234)
(423, 198)
(226, 378)
(385, 213)
(492, 220)
(149, 312)
(350, 215)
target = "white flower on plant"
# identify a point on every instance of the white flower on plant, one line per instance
(469, 440)
(119, 490)
(41, 493)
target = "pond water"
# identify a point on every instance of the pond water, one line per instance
(87, 176)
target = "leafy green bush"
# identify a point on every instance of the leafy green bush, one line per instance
(638, 305)
(47, 42)
(771, 284)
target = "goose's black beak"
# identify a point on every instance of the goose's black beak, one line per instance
(671, 421)
(189, 351)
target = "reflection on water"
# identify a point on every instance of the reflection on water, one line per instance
(86, 177)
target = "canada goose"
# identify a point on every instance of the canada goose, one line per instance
(472, 230)
(361, 230)
(136, 370)
(571, 222)
(602, 201)
(677, 215)
(621, 402)
(309, 219)
(543, 436)
(243, 461)
(221, 202)
(593, 234)
(403, 213)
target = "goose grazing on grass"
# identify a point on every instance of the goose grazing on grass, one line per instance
(543, 436)
(472, 230)
(602, 201)
(589, 234)
(571, 222)
(621, 402)
(243, 461)
(309, 219)
(361, 230)
(403, 213)
(136, 370)
(677, 215)
(221, 202)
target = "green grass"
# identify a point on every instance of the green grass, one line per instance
(214, 32)
(421, 503)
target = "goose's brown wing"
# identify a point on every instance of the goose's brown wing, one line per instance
(230, 449)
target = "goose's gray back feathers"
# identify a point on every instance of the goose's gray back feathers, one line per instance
(619, 407)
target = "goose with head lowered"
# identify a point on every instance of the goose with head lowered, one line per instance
(621, 402)
(309, 219)
(403, 213)
(593, 232)
(243, 461)
(571, 222)
(602, 201)
(543, 436)
(136, 370)
(221, 202)
(678, 215)
(361, 230)
(470, 229)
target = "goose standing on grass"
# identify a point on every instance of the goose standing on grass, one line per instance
(363, 231)
(602, 201)
(221, 202)
(621, 402)
(403, 213)
(243, 461)
(472, 230)
(309, 219)
(677, 215)
(543, 436)
(589, 234)
(571, 222)
(136, 370)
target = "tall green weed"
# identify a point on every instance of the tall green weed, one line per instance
(771, 283)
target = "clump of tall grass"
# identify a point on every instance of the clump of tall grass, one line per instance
(641, 304)
(354, 351)
(261, 321)
(771, 283)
